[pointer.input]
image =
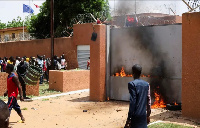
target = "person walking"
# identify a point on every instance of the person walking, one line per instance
(13, 89)
(140, 101)
(21, 70)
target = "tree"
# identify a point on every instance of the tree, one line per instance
(15, 23)
(64, 12)
(2, 25)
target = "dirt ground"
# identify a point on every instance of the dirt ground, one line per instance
(67, 112)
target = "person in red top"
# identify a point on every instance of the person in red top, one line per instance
(88, 63)
(12, 91)
(45, 70)
(98, 21)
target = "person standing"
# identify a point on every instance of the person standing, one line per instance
(59, 63)
(1, 61)
(17, 63)
(140, 101)
(21, 70)
(88, 63)
(40, 63)
(27, 61)
(63, 62)
(13, 89)
(45, 70)
(4, 63)
(48, 62)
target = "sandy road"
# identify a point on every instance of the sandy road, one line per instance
(67, 112)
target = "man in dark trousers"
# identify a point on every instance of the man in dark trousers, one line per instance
(21, 70)
(140, 101)
(13, 89)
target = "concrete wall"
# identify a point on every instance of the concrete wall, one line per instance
(3, 82)
(41, 47)
(70, 80)
(98, 65)
(30, 90)
(97, 57)
(191, 65)
(82, 36)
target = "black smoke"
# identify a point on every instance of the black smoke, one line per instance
(160, 71)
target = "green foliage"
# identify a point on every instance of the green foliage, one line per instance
(44, 90)
(2, 25)
(167, 125)
(15, 23)
(64, 12)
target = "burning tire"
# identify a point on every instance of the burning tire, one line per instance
(174, 106)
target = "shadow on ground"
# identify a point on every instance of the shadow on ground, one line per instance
(82, 99)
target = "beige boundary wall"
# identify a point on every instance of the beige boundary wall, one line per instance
(70, 80)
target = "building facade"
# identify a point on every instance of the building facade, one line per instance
(13, 34)
(145, 19)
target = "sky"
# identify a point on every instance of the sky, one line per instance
(10, 9)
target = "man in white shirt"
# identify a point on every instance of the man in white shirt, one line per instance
(63, 62)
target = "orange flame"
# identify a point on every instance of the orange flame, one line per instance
(116, 74)
(175, 103)
(123, 74)
(159, 102)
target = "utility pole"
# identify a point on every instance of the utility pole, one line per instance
(52, 34)
(135, 7)
(114, 7)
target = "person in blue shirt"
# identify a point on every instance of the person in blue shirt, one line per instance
(140, 101)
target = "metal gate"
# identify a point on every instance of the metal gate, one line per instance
(83, 54)
(158, 49)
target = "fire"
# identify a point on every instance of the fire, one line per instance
(159, 102)
(175, 103)
(116, 74)
(123, 74)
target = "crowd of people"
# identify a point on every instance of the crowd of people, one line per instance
(21, 64)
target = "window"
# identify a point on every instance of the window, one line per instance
(13, 35)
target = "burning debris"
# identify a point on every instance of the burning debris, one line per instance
(159, 102)
(123, 74)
